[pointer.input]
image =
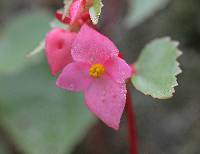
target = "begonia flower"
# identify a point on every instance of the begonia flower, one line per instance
(58, 45)
(78, 13)
(99, 73)
(76, 9)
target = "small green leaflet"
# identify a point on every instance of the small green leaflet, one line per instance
(157, 69)
(95, 11)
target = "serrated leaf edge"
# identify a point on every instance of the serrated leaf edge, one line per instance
(178, 69)
(92, 10)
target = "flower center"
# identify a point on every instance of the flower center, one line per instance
(96, 70)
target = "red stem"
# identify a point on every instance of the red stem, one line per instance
(131, 124)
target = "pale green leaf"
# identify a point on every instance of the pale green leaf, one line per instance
(140, 10)
(20, 36)
(157, 68)
(95, 11)
(39, 117)
(4, 149)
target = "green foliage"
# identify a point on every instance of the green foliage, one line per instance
(3, 148)
(39, 117)
(95, 11)
(140, 10)
(157, 69)
(20, 37)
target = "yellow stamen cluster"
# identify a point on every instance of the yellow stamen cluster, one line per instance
(96, 70)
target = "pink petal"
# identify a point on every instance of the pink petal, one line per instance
(92, 47)
(106, 99)
(74, 77)
(58, 49)
(76, 9)
(118, 69)
(59, 16)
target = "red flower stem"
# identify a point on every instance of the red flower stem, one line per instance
(131, 124)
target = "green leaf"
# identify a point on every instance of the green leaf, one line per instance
(157, 68)
(39, 117)
(3, 147)
(140, 10)
(95, 11)
(20, 36)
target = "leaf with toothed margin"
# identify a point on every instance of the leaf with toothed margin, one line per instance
(157, 69)
(95, 11)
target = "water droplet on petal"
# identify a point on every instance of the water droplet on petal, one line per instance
(103, 96)
(71, 86)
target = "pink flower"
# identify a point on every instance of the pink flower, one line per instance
(78, 13)
(58, 49)
(76, 10)
(99, 73)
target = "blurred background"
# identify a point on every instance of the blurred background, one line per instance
(38, 118)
